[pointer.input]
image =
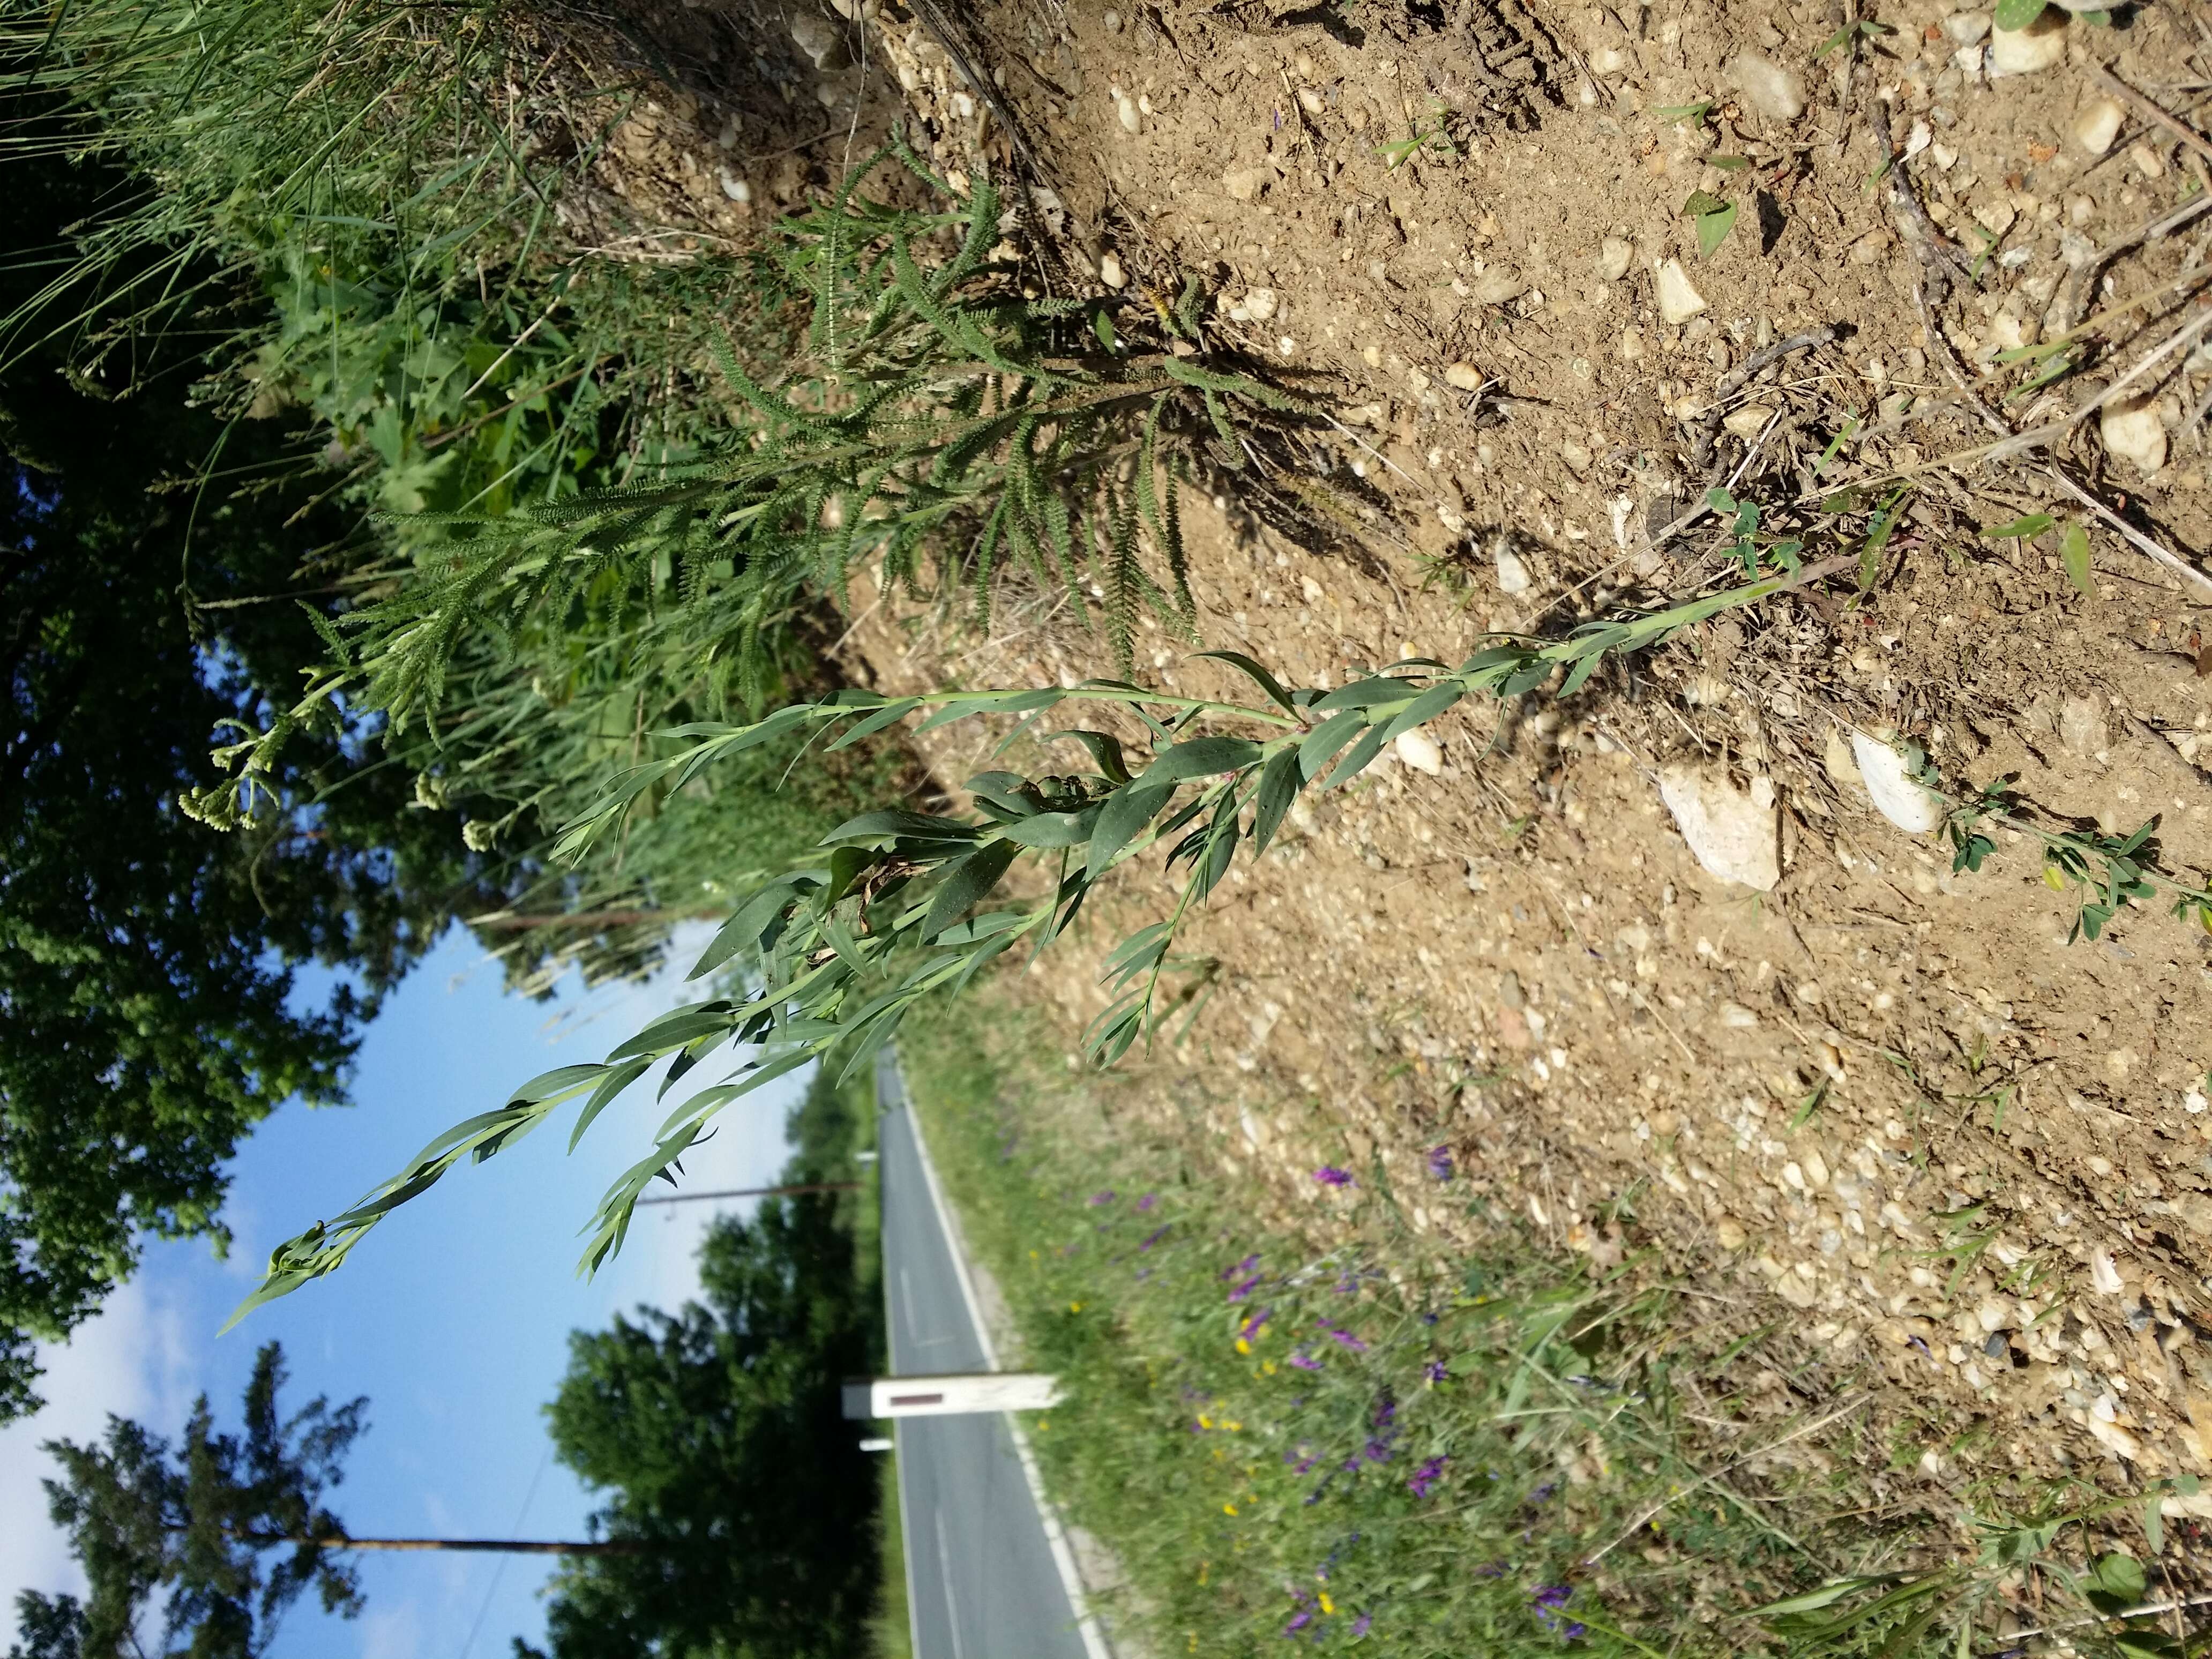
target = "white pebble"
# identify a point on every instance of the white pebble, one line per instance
(1775, 90)
(2134, 432)
(2098, 125)
(1111, 22)
(1259, 304)
(737, 189)
(2040, 45)
(1678, 301)
(2104, 1276)
(1512, 574)
(1614, 257)
(1466, 376)
(1110, 271)
(1132, 119)
(1418, 750)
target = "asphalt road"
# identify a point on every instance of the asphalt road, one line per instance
(981, 1583)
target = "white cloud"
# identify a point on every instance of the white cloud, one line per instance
(129, 1360)
(393, 1631)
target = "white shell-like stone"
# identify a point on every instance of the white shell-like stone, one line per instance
(1678, 301)
(1895, 795)
(1732, 832)
(2104, 1276)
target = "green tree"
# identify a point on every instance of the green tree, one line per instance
(149, 1011)
(233, 1528)
(719, 1431)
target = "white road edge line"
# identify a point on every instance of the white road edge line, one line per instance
(944, 1574)
(1055, 1536)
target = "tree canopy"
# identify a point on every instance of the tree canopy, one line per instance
(149, 1013)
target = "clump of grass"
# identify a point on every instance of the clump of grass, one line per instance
(1375, 1446)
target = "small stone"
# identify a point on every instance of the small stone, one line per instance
(1466, 376)
(1576, 456)
(1997, 1346)
(2082, 724)
(1614, 256)
(1259, 304)
(737, 189)
(2039, 46)
(819, 39)
(1110, 271)
(1731, 832)
(1110, 21)
(1728, 1235)
(2134, 432)
(1737, 1018)
(1996, 218)
(1495, 286)
(1967, 28)
(1311, 101)
(1512, 574)
(1892, 788)
(1126, 110)
(1678, 300)
(2148, 162)
(1418, 750)
(2104, 1273)
(1775, 90)
(1748, 422)
(1992, 1314)
(2098, 125)
(1243, 183)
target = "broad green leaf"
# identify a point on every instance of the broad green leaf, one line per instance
(2075, 550)
(968, 884)
(1200, 758)
(1713, 228)
(1122, 819)
(1324, 740)
(1356, 762)
(1053, 828)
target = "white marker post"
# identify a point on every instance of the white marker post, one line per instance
(963, 1392)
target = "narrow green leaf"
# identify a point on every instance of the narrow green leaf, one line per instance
(1200, 758)
(1126, 811)
(1266, 681)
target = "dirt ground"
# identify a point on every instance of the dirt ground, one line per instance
(1970, 1157)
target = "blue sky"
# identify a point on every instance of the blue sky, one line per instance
(453, 1318)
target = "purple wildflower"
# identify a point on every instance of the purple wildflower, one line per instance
(1548, 1601)
(1305, 1361)
(1378, 1450)
(1156, 1238)
(1146, 1202)
(1329, 1175)
(1350, 1465)
(1437, 1371)
(1440, 1163)
(1106, 1197)
(1244, 1267)
(1349, 1341)
(1251, 1326)
(1237, 1293)
(1359, 1625)
(1297, 1624)
(1386, 1412)
(1426, 1476)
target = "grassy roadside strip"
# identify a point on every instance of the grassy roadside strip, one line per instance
(1369, 1446)
(890, 1635)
